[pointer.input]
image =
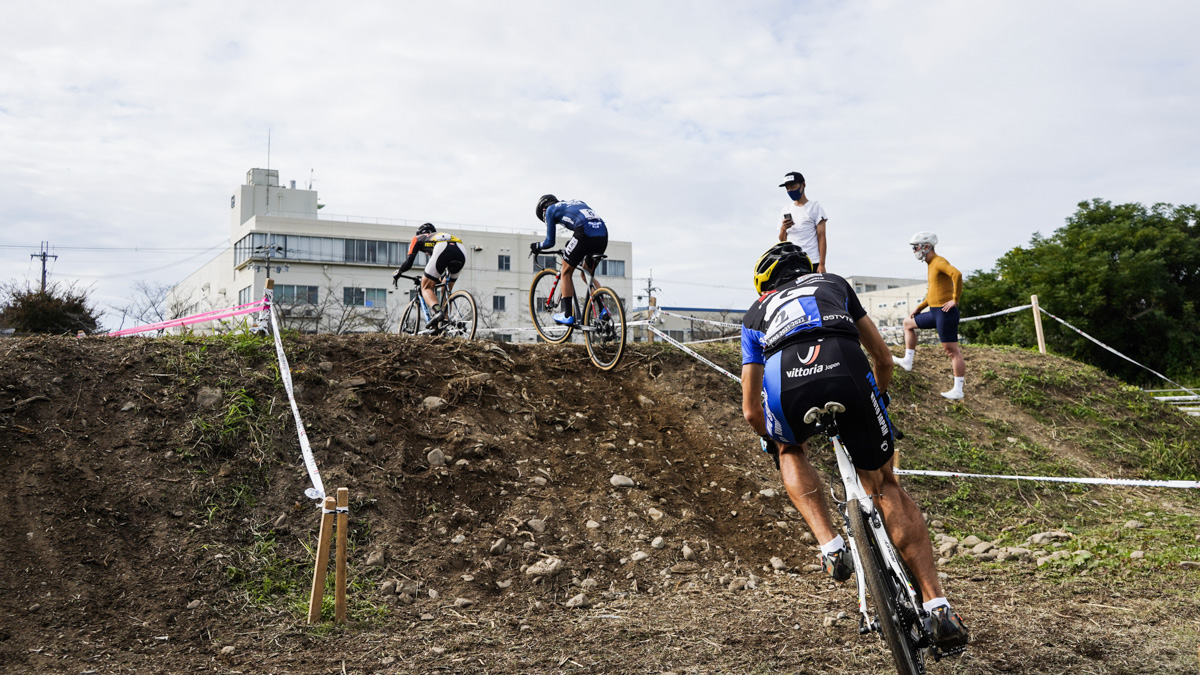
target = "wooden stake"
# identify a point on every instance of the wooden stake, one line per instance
(343, 502)
(318, 585)
(1037, 324)
(270, 284)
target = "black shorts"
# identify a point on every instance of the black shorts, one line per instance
(446, 256)
(811, 374)
(582, 246)
(945, 322)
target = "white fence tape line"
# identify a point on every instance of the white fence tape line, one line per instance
(1054, 479)
(1002, 312)
(720, 339)
(696, 356)
(1164, 377)
(692, 318)
(317, 491)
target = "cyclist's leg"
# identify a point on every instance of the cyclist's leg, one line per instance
(573, 255)
(906, 527)
(455, 258)
(433, 273)
(805, 489)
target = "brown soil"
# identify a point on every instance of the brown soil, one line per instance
(129, 500)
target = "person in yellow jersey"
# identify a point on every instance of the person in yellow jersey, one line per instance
(942, 296)
(446, 254)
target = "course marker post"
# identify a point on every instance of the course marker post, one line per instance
(343, 509)
(1037, 324)
(319, 574)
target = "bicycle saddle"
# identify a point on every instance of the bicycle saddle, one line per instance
(831, 407)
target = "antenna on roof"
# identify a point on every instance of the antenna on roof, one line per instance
(310, 178)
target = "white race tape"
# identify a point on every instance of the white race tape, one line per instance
(1116, 352)
(1055, 479)
(692, 318)
(1002, 312)
(703, 360)
(720, 339)
(317, 491)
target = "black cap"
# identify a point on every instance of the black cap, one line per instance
(793, 177)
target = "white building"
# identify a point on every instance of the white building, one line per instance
(334, 273)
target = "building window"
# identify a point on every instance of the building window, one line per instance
(675, 335)
(244, 295)
(288, 294)
(498, 301)
(611, 268)
(502, 337)
(871, 288)
(364, 297)
(545, 262)
(505, 263)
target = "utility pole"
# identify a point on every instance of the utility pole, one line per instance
(651, 302)
(43, 255)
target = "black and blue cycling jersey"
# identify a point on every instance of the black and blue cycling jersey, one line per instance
(575, 216)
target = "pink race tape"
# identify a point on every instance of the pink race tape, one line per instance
(195, 318)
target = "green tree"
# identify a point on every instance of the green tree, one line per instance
(58, 309)
(1126, 274)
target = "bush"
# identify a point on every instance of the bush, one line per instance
(56, 310)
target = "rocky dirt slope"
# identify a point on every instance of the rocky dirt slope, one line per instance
(155, 519)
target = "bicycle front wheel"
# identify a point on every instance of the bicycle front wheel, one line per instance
(604, 324)
(543, 303)
(411, 321)
(461, 317)
(884, 595)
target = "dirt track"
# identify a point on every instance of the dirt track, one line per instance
(131, 500)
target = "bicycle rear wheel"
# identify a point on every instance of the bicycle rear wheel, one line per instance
(461, 317)
(410, 323)
(543, 303)
(884, 593)
(604, 320)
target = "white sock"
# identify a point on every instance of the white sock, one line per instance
(833, 545)
(933, 604)
(958, 383)
(909, 354)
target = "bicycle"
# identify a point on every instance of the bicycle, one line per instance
(460, 318)
(603, 319)
(897, 601)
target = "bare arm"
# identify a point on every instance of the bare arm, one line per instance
(873, 342)
(821, 245)
(752, 377)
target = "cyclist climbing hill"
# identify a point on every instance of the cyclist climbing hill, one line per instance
(445, 254)
(590, 239)
(801, 349)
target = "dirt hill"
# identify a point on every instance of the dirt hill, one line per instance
(156, 520)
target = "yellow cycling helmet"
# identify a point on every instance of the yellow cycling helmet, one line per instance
(782, 262)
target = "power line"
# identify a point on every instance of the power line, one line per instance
(115, 248)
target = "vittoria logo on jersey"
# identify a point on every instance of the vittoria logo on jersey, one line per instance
(813, 370)
(813, 352)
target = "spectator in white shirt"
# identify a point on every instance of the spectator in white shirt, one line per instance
(803, 221)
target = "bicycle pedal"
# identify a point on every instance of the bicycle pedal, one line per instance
(939, 654)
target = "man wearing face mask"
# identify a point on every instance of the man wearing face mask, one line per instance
(942, 296)
(803, 221)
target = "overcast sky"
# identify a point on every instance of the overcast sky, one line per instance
(131, 123)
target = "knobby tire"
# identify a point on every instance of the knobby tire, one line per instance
(410, 323)
(543, 316)
(907, 658)
(462, 316)
(606, 337)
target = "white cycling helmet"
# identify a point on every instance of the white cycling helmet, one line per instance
(919, 241)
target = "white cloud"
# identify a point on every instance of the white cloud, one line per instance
(131, 123)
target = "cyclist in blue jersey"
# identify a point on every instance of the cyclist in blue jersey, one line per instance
(590, 239)
(802, 346)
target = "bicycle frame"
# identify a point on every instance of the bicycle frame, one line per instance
(588, 277)
(854, 491)
(440, 289)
